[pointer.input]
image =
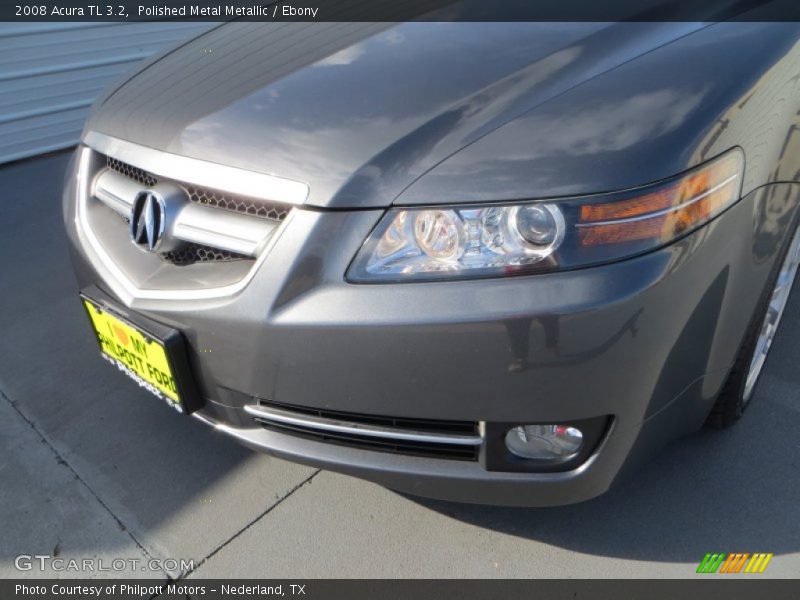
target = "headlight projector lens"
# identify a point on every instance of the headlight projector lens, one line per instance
(539, 228)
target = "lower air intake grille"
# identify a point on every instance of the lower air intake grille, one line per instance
(458, 440)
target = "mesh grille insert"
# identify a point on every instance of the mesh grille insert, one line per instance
(131, 172)
(240, 204)
(190, 254)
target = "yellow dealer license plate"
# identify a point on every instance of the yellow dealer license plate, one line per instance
(147, 358)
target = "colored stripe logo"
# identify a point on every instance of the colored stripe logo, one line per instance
(734, 562)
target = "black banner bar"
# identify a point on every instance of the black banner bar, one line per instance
(399, 10)
(708, 588)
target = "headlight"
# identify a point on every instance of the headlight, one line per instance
(445, 242)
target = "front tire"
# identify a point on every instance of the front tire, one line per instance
(741, 383)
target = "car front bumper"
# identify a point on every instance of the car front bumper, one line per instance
(647, 342)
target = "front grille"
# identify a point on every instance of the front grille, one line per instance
(189, 254)
(393, 445)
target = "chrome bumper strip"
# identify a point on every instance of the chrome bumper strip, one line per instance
(285, 417)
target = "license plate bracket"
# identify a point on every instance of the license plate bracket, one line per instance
(152, 354)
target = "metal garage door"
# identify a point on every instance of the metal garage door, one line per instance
(50, 74)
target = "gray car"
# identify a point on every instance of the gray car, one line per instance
(486, 262)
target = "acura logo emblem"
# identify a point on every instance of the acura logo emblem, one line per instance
(148, 216)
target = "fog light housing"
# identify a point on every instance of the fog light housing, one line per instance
(552, 447)
(544, 442)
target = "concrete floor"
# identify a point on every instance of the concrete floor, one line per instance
(93, 467)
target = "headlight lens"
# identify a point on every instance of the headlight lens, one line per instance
(484, 241)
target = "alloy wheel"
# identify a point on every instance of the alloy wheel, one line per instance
(777, 305)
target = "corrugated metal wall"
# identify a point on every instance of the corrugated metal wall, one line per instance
(50, 73)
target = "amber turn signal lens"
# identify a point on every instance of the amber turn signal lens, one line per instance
(667, 213)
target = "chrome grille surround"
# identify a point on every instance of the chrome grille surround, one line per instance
(208, 234)
(232, 180)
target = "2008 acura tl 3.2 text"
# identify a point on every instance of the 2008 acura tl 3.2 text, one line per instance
(488, 262)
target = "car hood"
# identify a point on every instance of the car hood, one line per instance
(358, 111)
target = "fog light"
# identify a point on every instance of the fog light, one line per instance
(544, 442)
